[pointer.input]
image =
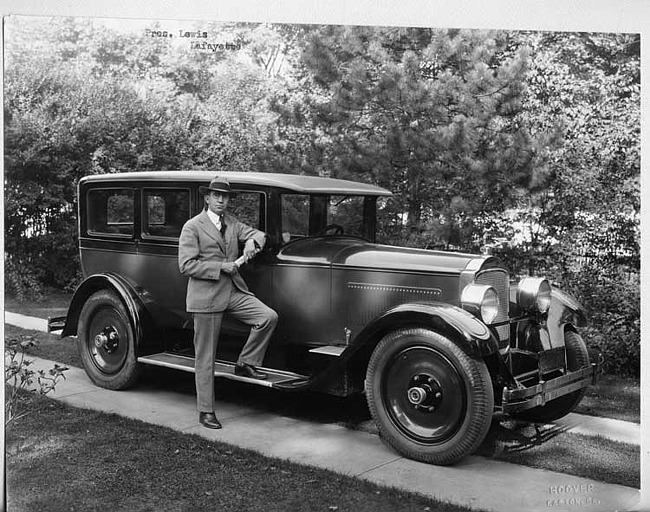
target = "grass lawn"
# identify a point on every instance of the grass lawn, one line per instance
(49, 346)
(613, 397)
(54, 303)
(548, 447)
(63, 458)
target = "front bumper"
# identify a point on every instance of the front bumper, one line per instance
(517, 400)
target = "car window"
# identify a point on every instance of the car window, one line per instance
(247, 207)
(110, 211)
(295, 216)
(166, 211)
(347, 212)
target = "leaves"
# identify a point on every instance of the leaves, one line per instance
(20, 377)
(529, 136)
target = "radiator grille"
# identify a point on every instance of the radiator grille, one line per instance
(500, 281)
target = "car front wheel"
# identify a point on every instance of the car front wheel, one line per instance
(106, 342)
(431, 401)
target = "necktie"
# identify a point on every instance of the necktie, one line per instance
(222, 229)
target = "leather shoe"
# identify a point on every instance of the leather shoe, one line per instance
(209, 420)
(247, 370)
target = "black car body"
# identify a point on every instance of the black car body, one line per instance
(438, 341)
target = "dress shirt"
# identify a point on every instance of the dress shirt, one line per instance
(216, 219)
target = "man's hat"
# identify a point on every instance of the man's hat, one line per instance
(216, 185)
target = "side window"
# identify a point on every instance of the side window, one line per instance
(247, 207)
(166, 210)
(110, 211)
(295, 216)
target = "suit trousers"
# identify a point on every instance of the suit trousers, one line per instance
(207, 327)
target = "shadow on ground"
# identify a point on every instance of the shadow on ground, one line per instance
(508, 436)
(505, 435)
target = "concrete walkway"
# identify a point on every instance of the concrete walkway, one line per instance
(475, 481)
(26, 322)
(617, 430)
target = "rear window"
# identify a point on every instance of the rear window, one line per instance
(110, 211)
(166, 210)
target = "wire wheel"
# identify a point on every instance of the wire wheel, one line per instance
(431, 401)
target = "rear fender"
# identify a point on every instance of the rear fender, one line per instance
(122, 288)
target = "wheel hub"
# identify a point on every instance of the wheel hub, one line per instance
(108, 339)
(424, 393)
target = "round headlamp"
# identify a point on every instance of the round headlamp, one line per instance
(482, 301)
(534, 294)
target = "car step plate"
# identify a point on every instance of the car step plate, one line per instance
(226, 369)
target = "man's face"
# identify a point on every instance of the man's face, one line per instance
(217, 202)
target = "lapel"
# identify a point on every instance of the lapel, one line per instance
(209, 228)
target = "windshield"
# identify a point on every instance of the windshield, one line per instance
(313, 215)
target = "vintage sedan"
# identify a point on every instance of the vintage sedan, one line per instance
(438, 341)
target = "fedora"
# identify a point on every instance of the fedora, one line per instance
(216, 185)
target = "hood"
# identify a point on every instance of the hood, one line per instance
(353, 252)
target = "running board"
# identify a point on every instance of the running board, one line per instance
(277, 378)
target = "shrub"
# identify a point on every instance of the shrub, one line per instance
(611, 296)
(19, 377)
(20, 280)
(609, 292)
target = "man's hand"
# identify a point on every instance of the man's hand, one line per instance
(250, 249)
(228, 267)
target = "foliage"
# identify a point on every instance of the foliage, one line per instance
(608, 290)
(586, 88)
(530, 139)
(20, 281)
(612, 298)
(19, 377)
(581, 228)
(425, 113)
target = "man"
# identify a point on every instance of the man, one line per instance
(207, 254)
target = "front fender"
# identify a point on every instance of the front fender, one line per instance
(124, 290)
(462, 327)
(565, 311)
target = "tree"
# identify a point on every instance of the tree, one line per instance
(584, 218)
(585, 88)
(429, 114)
(98, 101)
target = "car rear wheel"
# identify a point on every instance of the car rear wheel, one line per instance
(431, 401)
(106, 342)
(577, 357)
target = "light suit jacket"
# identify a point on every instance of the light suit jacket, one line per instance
(202, 250)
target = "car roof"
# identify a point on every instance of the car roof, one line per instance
(292, 182)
